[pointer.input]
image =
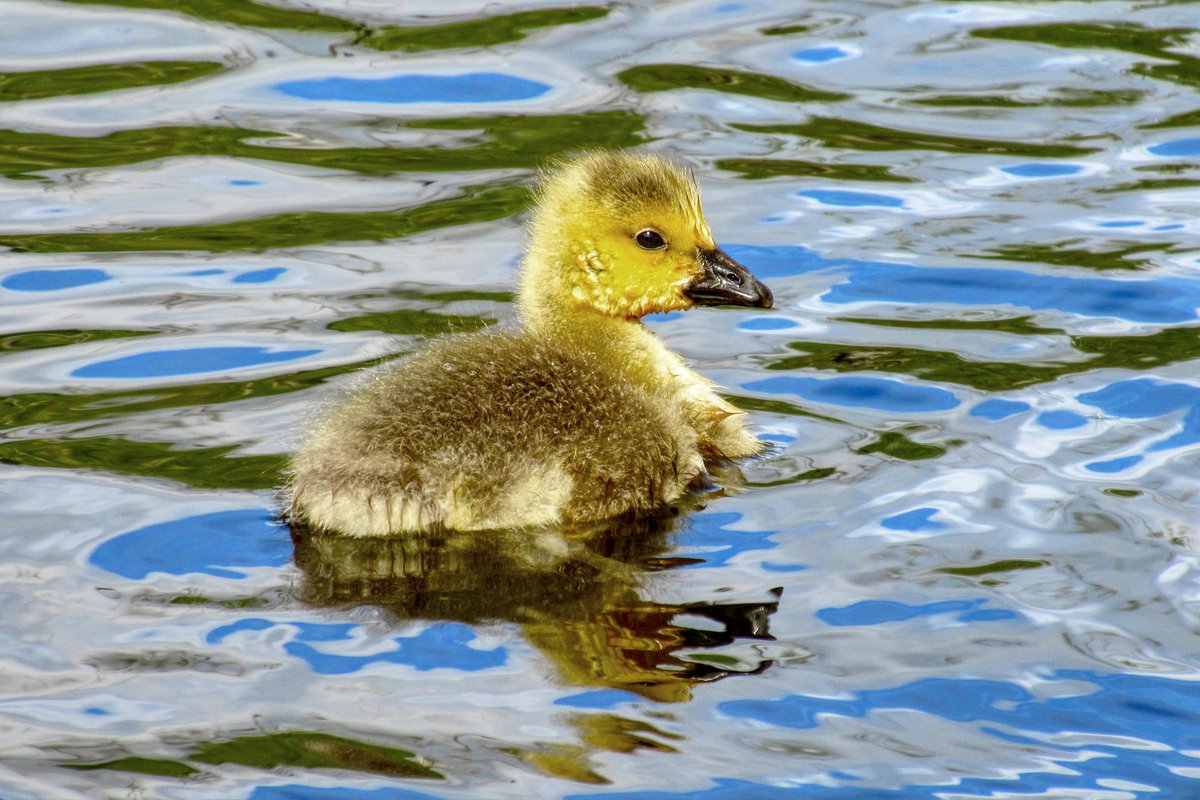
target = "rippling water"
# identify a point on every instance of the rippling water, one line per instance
(967, 570)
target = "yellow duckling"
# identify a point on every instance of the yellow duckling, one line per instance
(582, 413)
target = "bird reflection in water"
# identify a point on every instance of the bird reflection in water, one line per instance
(582, 598)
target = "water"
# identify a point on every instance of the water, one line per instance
(968, 569)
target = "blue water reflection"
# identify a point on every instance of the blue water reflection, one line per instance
(470, 87)
(772, 566)
(849, 199)
(598, 698)
(708, 539)
(1031, 787)
(52, 280)
(1061, 420)
(1122, 704)
(1177, 148)
(1113, 465)
(296, 791)
(1042, 170)
(860, 392)
(260, 275)
(213, 544)
(997, 409)
(879, 612)
(1143, 398)
(1162, 300)
(766, 324)
(919, 519)
(189, 361)
(442, 646)
(783, 260)
(820, 55)
(1146, 709)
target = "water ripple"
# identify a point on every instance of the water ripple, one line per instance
(966, 567)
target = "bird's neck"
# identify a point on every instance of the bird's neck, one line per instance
(548, 308)
(566, 320)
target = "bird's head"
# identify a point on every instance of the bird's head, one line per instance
(622, 234)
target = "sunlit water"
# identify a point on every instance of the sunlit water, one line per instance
(968, 569)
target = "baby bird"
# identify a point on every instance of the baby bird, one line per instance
(580, 414)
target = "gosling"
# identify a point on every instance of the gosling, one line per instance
(580, 414)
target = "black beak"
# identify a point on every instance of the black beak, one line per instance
(726, 282)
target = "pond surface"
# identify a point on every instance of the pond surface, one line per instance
(968, 568)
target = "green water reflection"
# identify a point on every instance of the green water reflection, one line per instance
(1067, 253)
(852, 135)
(296, 749)
(238, 12)
(1063, 98)
(1185, 120)
(36, 340)
(893, 443)
(142, 766)
(100, 78)
(758, 168)
(785, 30)
(481, 204)
(201, 467)
(1022, 326)
(1159, 44)
(477, 32)
(481, 32)
(665, 77)
(313, 751)
(1005, 565)
(898, 445)
(496, 142)
(1158, 184)
(1167, 346)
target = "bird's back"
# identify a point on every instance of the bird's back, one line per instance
(494, 430)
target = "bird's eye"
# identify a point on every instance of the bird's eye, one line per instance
(650, 239)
